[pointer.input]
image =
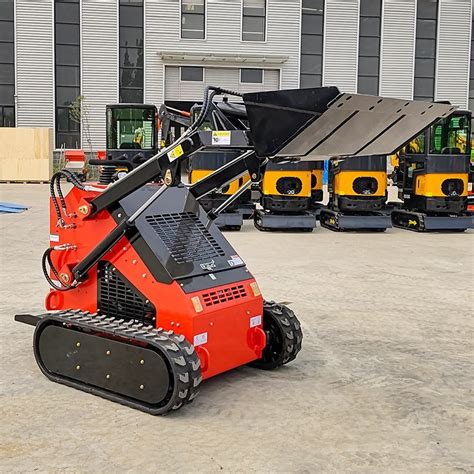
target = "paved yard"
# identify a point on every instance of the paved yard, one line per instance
(384, 381)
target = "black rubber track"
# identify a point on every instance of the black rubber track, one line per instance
(180, 356)
(284, 336)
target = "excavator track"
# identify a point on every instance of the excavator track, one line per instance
(128, 362)
(339, 222)
(421, 222)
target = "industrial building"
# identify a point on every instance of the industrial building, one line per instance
(155, 51)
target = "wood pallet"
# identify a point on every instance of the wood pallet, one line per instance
(26, 154)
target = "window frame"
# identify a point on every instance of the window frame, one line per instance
(319, 33)
(366, 76)
(265, 23)
(9, 82)
(74, 133)
(251, 83)
(204, 14)
(139, 65)
(193, 67)
(423, 40)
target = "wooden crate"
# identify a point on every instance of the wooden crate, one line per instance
(26, 154)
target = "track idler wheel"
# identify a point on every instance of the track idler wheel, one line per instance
(284, 336)
(134, 364)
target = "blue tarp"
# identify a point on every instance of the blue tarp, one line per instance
(11, 208)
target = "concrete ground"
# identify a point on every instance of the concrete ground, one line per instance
(383, 384)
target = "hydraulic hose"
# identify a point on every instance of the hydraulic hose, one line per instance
(47, 259)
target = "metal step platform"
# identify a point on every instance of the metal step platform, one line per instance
(337, 221)
(420, 222)
(266, 221)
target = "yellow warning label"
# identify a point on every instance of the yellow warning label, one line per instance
(221, 137)
(412, 222)
(175, 153)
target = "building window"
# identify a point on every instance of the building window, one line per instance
(253, 20)
(312, 32)
(193, 19)
(471, 76)
(251, 76)
(425, 49)
(131, 51)
(67, 71)
(369, 46)
(7, 64)
(192, 74)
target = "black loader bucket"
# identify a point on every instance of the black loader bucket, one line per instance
(318, 123)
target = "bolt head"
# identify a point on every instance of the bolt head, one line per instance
(134, 262)
(78, 344)
(143, 275)
(78, 367)
(84, 210)
(142, 387)
(107, 353)
(142, 362)
(107, 376)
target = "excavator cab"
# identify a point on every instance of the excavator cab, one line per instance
(131, 139)
(432, 177)
(222, 118)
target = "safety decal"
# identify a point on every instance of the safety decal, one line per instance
(175, 153)
(200, 339)
(221, 137)
(255, 321)
(235, 260)
(54, 237)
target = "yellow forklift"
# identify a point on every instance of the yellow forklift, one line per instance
(357, 194)
(286, 197)
(432, 177)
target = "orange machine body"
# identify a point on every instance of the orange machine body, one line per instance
(224, 323)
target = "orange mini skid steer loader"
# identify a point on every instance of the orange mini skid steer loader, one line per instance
(147, 297)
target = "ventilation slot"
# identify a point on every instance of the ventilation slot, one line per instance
(225, 294)
(119, 298)
(185, 237)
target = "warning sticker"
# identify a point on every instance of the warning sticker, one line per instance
(200, 339)
(54, 237)
(255, 321)
(235, 260)
(221, 137)
(175, 153)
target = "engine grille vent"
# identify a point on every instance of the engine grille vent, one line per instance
(223, 295)
(119, 298)
(185, 237)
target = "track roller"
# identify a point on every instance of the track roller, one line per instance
(134, 364)
(284, 336)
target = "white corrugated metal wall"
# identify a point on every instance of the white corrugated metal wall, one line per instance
(341, 39)
(99, 67)
(162, 33)
(398, 49)
(34, 63)
(228, 78)
(454, 51)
